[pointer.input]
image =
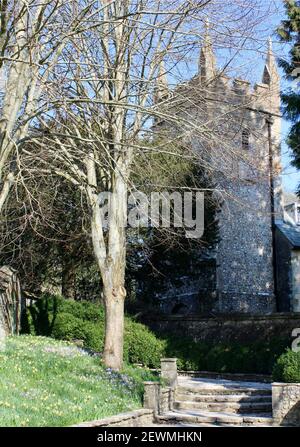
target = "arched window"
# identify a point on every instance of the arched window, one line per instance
(245, 139)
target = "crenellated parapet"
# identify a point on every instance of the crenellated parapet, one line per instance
(212, 84)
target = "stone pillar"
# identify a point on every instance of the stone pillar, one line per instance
(151, 396)
(169, 371)
(166, 400)
(286, 404)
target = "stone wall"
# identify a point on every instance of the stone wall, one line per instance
(166, 398)
(295, 280)
(185, 290)
(284, 277)
(227, 328)
(158, 398)
(286, 404)
(245, 269)
(138, 418)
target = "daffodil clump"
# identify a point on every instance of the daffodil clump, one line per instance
(45, 382)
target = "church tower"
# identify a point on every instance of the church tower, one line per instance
(239, 141)
(245, 260)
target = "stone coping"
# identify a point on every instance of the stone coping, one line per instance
(227, 376)
(119, 419)
(295, 384)
(222, 317)
(267, 378)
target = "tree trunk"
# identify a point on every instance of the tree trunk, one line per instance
(111, 260)
(114, 327)
(4, 189)
(114, 275)
(68, 280)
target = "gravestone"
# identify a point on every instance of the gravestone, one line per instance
(10, 302)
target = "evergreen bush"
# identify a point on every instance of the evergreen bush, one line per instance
(287, 367)
(79, 320)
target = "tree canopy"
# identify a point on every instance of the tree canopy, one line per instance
(289, 32)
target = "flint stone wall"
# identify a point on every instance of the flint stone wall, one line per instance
(286, 404)
(226, 328)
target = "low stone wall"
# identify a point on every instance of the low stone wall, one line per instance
(158, 398)
(138, 418)
(166, 399)
(286, 404)
(226, 328)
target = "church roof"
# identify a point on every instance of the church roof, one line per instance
(291, 233)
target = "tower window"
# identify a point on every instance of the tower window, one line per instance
(245, 139)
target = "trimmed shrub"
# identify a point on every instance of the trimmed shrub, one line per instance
(287, 368)
(67, 327)
(72, 320)
(69, 320)
(94, 336)
(256, 358)
(141, 345)
(191, 355)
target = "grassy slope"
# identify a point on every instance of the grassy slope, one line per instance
(45, 382)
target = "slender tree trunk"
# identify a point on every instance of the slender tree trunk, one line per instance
(68, 279)
(114, 276)
(114, 327)
(4, 191)
(111, 261)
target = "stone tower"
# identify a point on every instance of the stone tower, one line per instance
(244, 151)
(250, 179)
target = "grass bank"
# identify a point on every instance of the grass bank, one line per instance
(46, 382)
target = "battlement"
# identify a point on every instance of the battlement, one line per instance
(241, 86)
(209, 83)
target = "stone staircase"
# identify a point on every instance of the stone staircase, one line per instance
(209, 402)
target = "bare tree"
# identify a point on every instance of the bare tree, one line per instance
(33, 36)
(116, 102)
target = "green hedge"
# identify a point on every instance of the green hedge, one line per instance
(71, 320)
(287, 367)
(258, 358)
(141, 345)
(79, 320)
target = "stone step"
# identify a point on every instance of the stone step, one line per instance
(246, 377)
(229, 407)
(197, 390)
(242, 397)
(202, 418)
